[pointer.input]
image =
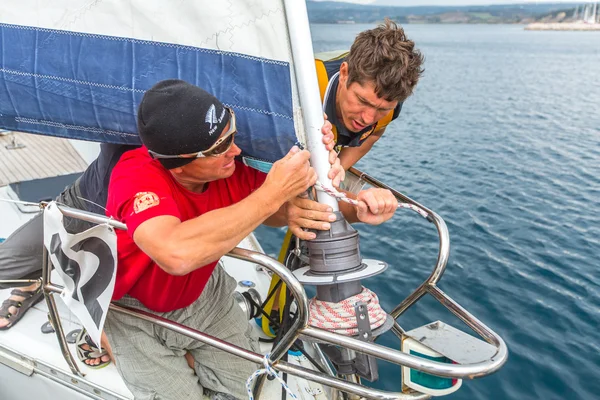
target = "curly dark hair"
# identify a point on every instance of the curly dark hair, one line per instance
(386, 57)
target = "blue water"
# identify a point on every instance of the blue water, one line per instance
(502, 139)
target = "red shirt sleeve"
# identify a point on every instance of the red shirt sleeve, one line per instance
(256, 178)
(139, 193)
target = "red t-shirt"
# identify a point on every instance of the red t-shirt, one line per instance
(140, 189)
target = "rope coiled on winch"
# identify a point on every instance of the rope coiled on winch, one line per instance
(341, 317)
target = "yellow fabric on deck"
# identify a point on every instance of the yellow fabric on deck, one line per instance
(323, 79)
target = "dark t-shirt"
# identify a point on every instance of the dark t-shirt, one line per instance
(93, 183)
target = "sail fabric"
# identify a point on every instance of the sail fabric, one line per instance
(78, 68)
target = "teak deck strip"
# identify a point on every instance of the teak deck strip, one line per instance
(42, 157)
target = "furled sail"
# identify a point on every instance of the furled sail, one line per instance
(78, 68)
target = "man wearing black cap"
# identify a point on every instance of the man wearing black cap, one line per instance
(187, 202)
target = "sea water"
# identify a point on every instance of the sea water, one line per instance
(502, 139)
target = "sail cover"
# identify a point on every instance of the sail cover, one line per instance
(79, 68)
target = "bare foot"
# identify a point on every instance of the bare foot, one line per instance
(12, 310)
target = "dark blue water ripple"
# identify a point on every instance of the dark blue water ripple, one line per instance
(502, 139)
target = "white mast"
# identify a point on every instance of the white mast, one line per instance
(308, 90)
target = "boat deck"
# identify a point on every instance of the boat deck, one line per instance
(25, 156)
(31, 363)
(26, 353)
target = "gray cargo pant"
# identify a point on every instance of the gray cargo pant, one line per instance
(21, 253)
(151, 358)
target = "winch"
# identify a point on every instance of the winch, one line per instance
(342, 304)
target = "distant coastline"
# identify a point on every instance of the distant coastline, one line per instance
(402, 22)
(539, 16)
(529, 26)
(562, 26)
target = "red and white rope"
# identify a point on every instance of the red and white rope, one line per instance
(342, 197)
(341, 317)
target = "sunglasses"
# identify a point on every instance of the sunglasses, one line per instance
(221, 146)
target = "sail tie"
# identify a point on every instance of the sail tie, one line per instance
(342, 196)
(341, 317)
(268, 370)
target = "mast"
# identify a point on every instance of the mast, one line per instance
(308, 90)
(335, 263)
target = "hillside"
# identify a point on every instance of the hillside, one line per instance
(337, 12)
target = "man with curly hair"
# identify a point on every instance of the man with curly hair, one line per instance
(363, 90)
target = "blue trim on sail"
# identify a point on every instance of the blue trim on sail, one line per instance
(88, 87)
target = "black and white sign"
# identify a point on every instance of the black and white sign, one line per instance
(87, 264)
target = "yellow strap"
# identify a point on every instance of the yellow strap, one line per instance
(383, 122)
(282, 292)
(323, 79)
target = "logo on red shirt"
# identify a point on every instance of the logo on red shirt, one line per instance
(144, 201)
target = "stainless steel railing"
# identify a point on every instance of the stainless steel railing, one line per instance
(300, 327)
(440, 225)
(285, 343)
(430, 285)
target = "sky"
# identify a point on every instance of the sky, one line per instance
(454, 2)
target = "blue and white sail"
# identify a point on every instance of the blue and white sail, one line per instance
(78, 68)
